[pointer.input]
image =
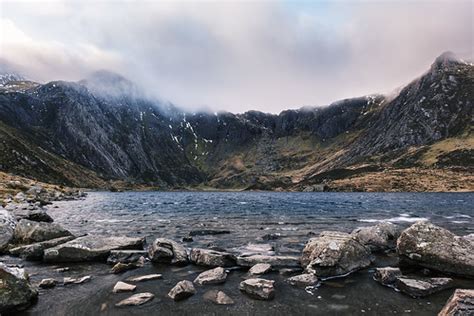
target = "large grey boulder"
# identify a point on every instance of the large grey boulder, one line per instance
(211, 258)
(7, 229)
(433, 247)
(36, 251)
(90, 248)
(422, 287)
(27, 232)
(260, 289)
(334, 254)
(167, 251)
(380, 237)
(213, 276)
(461, 303)
(16, 292)
(275, 261)
(182, 290)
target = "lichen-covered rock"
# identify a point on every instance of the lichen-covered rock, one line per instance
(167, 251)
(258, 288)
(275, 261)
(182, 290)
(380, 237)
(213, 276)
(461, 303)
(211, 258)
(7, 229)
(218, 297)
(333, 254)
(27, 231)
(436, 248)
(16, 292)
(422, 287)
(303, 280)
(387, 276)
(35, 251)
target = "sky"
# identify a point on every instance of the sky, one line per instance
(237, 55)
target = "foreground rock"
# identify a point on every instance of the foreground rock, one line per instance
(422, 287)
(28, 232)
(81, 280)
(7, 229)
(90, 248)
(36, 251)
(258, 288)
(214, 276)
(211, 258)
(135, 300)
(126, 256)
(275, 261)
(16, 293)
(47, 283)
(303, 280)
(380, 237)
(260, 268)
(182, 290)
(143, 278)
(461, 303)
(123, 287)
(436, 248)
(333, 254)
(218, 297)
(387, 276)
(167, 251)
(36, 215)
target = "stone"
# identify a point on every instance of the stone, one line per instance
(90, 248)
(214, 276)
(204, 232)
(136, 300)
(290, 271)
(47, 283)
(27, 231)
(211, 258)
(380, 237)
(334, 254)
(182, 290)
(187, 239)
(258, 288)
(303, 280)
(7, 229)
(123, 287)
(122, 267)
(260, 268)
(81, 280)
(469, 237)
(126, 256)
(422, 287)
(36, 215)
(143, 278)
(35, 251)
(461, 303)
(387, 276)
(16, 292)
(275, 261)
(436, 248)
(167, 251)
(255, 249)
(218, 297)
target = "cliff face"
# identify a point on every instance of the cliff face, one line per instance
(106, 129)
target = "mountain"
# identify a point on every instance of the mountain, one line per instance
(105, 129)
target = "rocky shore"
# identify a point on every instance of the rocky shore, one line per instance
(429, 257)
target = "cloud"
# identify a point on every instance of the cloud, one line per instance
(238, 55)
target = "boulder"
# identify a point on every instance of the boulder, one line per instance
(36, 251)
(7, 229)
(380, 237)
(47, 283)
(275, 261)
(123, 287)
(28, 232)
(211, 258)
(167, 251)
(16, 292)
(258, 288)
(334, 254)
(218, 297)
(422, 287)
(387, 276)
(137, 299)
(90, 248)
(182, 290)
(36, 215)
(214, 276)
(126, 256)
(436, 248)
(260, 268)
(143, 278)
(461, 303)
(303, 280)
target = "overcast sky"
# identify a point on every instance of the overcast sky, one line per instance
(237, 55)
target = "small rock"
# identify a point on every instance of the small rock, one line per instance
(387, 276)
(461, 303)
(47, 283)
(167, 251)
(423, 287)
(122, 267)
(218, 297)
(258, 288)
(214, 276)
(135, 300)
(77, 280)
(303, 280)
(126, 256)
(260, 268)
(211, 258)
(123, 287)
(182, 290)
(143, 278)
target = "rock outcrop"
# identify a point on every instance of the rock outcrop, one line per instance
(167, 251)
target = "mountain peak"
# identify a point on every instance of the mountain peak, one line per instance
(445, 60)
(109, 83)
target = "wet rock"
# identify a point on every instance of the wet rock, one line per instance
(36, 251)
(81, 280)
(27, 231)
(258, 288)
(204, 232)
(211, 258)
(16, 292)
(218, 297)
(461, 303)
(182, 290)
(423, 287)
(333, 254)
(143, 278)
(126, 256)
(167, 251)
(7, 229)
(47, 283)
(387, 276)
(122, 267)
(275, 261)
(214, 276)
(90, 248)
(436, 248)
(137, 299)
(268, 237)
(188, 239)
(260, 268)
(303, 280)
(123, 287)
(380, 237)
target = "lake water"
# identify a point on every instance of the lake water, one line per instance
(283, 220)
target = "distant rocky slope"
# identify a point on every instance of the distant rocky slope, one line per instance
(103, 129)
